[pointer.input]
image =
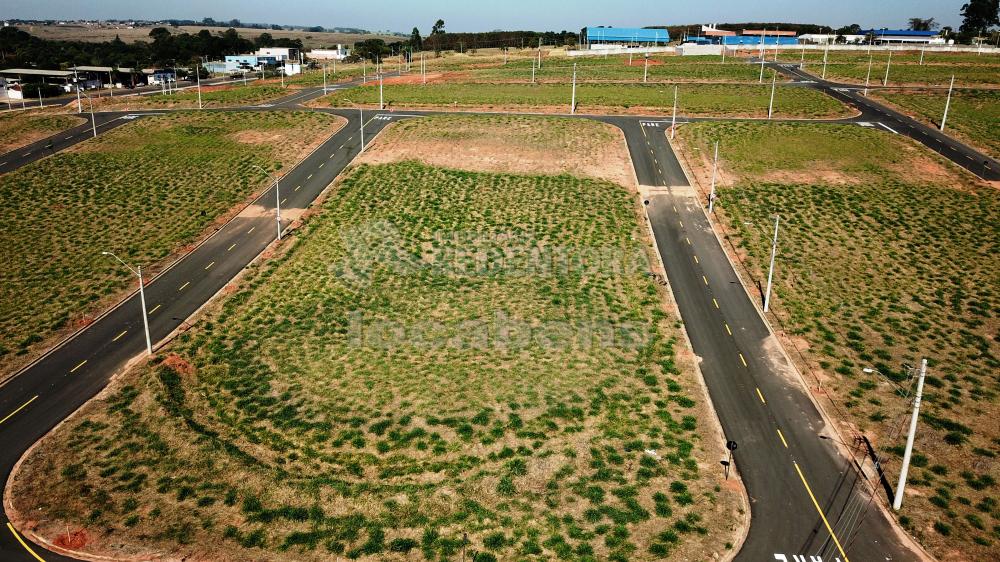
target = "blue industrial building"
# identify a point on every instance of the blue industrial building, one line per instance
(624, 36)
(733, 40)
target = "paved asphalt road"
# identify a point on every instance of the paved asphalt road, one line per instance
(64, 99)
(806, 498)
(881, 116)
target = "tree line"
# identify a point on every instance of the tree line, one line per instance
(21, 49)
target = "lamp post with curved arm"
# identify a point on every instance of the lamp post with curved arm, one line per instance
(142, 299)
(93, 123)
(277, 198)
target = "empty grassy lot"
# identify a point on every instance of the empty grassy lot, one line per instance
(142, 191)
(750, 100)
(390, 387)
(229, 95)
(887, 255)
(974, 115)
(617, 68)
(969, 69)
(25, 127)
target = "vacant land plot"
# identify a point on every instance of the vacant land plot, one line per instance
(887, 255)
(694, 99)
(611, 69)
(504, 143)
(412, 379)
(907, 74)
(974, 115)
(233, 95)
(25, 127)
(142, 190)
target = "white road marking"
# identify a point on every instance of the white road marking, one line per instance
(888, 128)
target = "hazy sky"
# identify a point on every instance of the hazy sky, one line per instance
(472, 15)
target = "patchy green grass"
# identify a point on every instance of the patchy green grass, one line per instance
(21, 128)
(879, 266)
(142, 191)
(617, 68)
(405, 380)
(974, 115)
(230, 95)
(694, 99)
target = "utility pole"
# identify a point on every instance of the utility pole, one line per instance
(947, 103)
(673, 123)
(888, 63)
(770, 271)
(532, 71)
(572, 103)
(897, 498)
(381, 104)
(826, 54)
(645, 69)
(324, 79)
(761, 80)
(539, 53)
(715, 169)
(869, 75)
(774, 83)
(197, 70)
(423, 67)
(361, 111)
(921, 57)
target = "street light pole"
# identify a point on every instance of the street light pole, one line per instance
(770, 271)
(888, 63)
(197, 70)
(572, 103)
(673, 122)
(715, 169)
(381, 103)
(869, 75)
(93, 122)
(277, 198)
(947, 103)
(324, 79)
(770, 106)
(142, 299)
(645, 69)
(897, 498)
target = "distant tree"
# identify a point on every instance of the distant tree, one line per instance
(371, 49)
(235, 23)
(978, 15)
(416, 42)
(438, 27)
(264, 40)
(921, 24)
(316, 29)
(853, 29)
(276, 27)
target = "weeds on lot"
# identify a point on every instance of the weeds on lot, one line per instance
(24, 127)
(318, 413)
(211, 97)
(880, 265)
(974, 114)
(905, 68)
(142, 191)
(694, 99)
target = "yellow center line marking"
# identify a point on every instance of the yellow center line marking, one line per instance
(231, 247)
(696, 259)
(675, 208)
(821, 514)
(24, 544)
(688, 240)
(155, 308)
(119, 336)
(332, 154)
(283, 200)
(209, 265)
(783, 442)
(763, 402)
(715, 302)
(298, 187)
(681, 223)
(728, 331)
(251, 230)
(742, 359)
(705, 279)
(21, 407)
(80, 364)
(309, 176)
(323, 164)
(184, 285)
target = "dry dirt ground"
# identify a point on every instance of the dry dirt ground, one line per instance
(508, 144)
(310, 39)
